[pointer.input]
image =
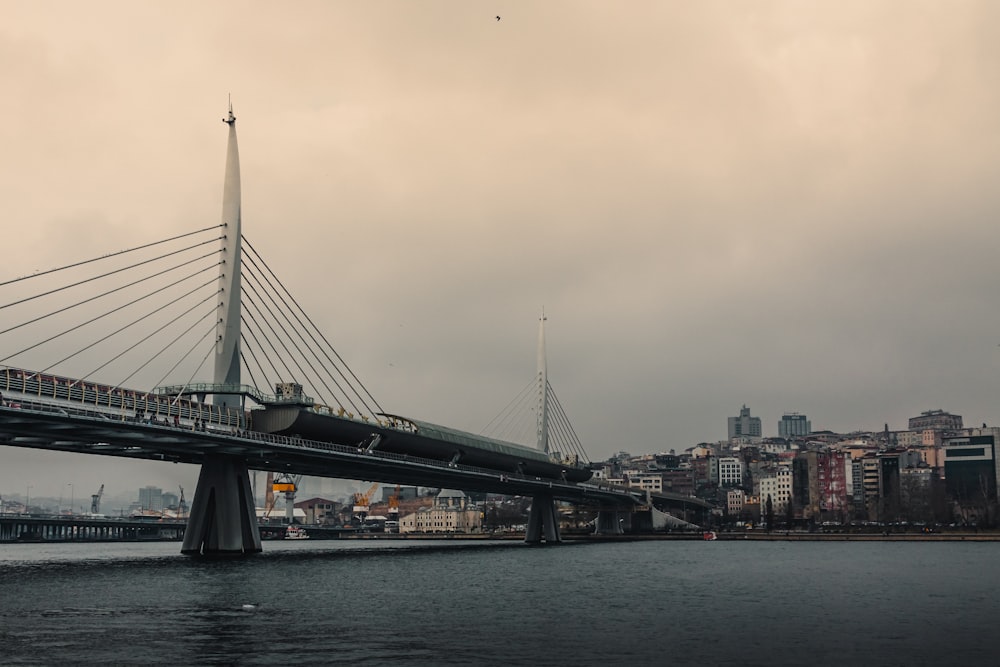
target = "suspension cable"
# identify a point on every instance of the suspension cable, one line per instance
(308, 319)
(118, 289)
(114, 254)
(105, 275)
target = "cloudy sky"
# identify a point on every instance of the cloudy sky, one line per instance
(788, 205)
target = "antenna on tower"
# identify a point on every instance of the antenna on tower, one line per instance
(231, 119)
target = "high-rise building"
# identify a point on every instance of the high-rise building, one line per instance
(744, 426)
(151, 498)
(793, 424)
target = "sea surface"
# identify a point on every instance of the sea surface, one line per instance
(411, 602)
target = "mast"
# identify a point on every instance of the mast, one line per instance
(543, 394)
(227, 346)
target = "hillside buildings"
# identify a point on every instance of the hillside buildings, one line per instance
(936, 470)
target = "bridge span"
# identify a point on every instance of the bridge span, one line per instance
(274, 343)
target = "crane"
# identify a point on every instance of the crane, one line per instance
(392, 515)
(95, 501)
(394, 505)
(181, 504)
(282, 484)
(362, 502)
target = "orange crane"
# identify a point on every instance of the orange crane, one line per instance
(282, 484)
(362, 503)
(394, 505)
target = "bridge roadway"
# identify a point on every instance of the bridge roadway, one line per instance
(57, 427)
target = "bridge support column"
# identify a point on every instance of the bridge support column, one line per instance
(543, 522)
(222, 520)
(609, 522)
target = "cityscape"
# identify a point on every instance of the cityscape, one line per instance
(935, 474)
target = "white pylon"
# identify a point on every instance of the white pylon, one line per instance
(542, 422)
(227, 343)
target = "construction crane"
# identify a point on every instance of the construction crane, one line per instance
(282, 484)
(362, 503)
(95, 501)
(393, 512)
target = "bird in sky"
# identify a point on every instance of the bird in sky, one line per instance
(498, 18)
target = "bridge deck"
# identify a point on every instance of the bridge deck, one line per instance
(53, 427)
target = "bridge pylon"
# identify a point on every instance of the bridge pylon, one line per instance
(543, 521)
(223, 520)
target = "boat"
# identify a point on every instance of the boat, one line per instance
(709, 535)
(296, 533)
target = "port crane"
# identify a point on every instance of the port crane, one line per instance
(286, 484)
(362, 503)
(95, 501)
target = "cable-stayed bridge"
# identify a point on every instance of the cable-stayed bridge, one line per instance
(78, 339)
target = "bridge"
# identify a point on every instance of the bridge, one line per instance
(289, 431)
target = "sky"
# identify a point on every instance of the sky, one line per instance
(787, 205)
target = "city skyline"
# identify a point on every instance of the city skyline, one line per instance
(784, 205)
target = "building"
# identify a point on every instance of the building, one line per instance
(744, 426)
(151, 498)
(793, 425)
(776, 484)
(730, 471)
(451, 513)
(971, 467)
(319, 511)
(938, 420)
(647, 481)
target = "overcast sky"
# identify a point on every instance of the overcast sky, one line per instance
(788, 205)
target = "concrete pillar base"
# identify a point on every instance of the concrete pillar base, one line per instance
(543, 522)
(222, 520)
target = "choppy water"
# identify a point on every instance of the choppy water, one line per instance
(434, 603)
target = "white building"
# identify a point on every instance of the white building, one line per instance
(779, 486)
(451, 513)
(730, 471)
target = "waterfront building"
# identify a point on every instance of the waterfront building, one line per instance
(971, 466)
(319, 510)
(793, 425)
(744, 426)
(451, 513)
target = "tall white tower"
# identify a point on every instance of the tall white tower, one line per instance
(543, 395)
(227, 342)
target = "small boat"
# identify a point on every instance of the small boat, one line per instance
(296, 533)
(709, 535)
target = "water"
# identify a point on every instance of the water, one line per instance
(450, 603)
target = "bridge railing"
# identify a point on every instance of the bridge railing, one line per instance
(130, 404)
